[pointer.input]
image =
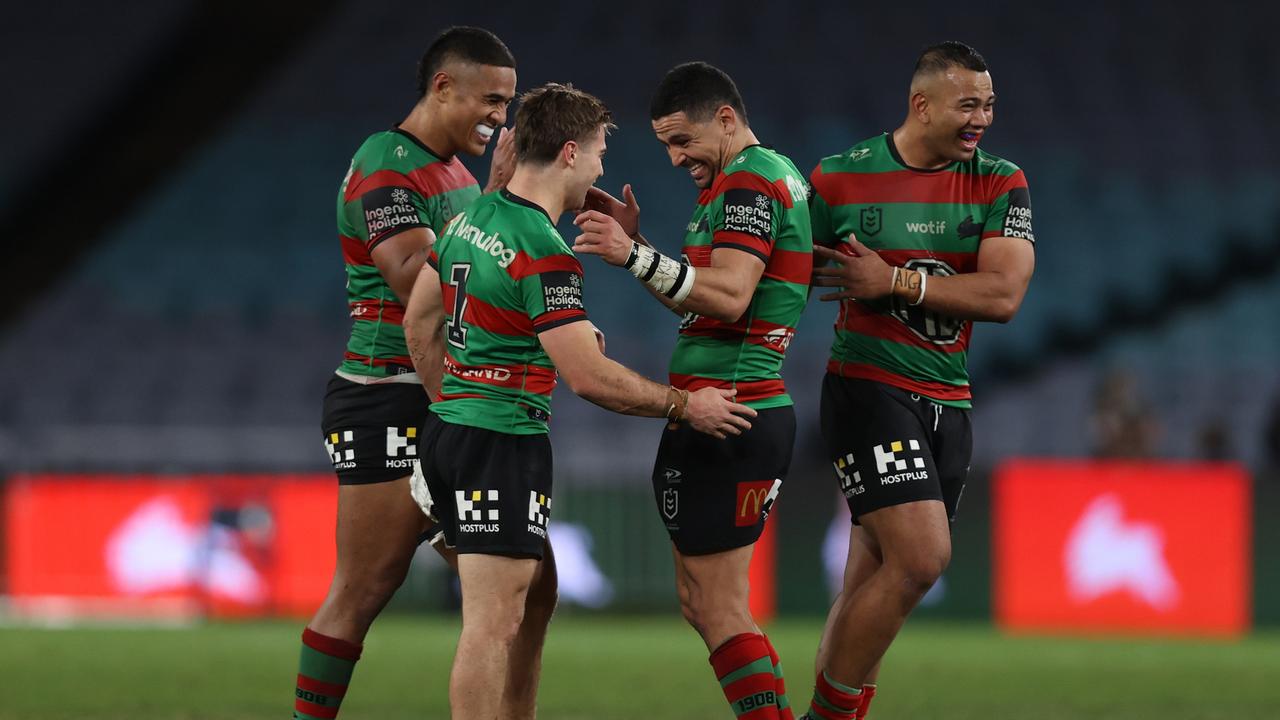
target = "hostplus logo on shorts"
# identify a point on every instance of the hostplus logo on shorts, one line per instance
(401, 442)
(342, 459)
(477, 510)
(850, 479)
(887, 460)
(539, 513)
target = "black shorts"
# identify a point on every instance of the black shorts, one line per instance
(371, 431)
(715, 495)
(490, 491)
(890, 446)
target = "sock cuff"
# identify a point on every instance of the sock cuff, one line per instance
(773, 654)
(841, 699)
(331, 646)
(738, 651)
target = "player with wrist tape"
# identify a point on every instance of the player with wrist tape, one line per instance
(663, 275)
(740, 285)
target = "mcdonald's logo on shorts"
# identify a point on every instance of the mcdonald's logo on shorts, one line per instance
(753, 499)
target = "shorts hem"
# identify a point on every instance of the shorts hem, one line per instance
(503, 550)
(372, 479)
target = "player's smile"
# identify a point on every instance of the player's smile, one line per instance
(699, 171)
(969, 139)
(484, 132)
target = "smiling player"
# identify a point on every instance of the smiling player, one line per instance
(943, 239)
(404, 184)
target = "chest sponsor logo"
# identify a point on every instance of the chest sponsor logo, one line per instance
(461, 228)
(933, 227)
(869, 220)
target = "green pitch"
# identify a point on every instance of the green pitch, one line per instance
(629, 668)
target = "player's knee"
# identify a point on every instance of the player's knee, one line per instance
(920, 570)
(542, 602)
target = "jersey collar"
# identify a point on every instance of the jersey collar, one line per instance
(514, 198)
(414, 139)
(893, 152)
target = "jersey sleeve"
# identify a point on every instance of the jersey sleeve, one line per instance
(551, 291)
(820, 213)
(1011, 212)
(746, 214)
(387, 210)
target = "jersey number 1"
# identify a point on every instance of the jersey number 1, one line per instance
(454, 329)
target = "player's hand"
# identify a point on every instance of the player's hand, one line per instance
(625, 211)
(859, 272)
(713, 411)
(603, 236)
(503, 164)
(599, 336)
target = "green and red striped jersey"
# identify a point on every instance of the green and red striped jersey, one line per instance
(757, 205)
(395, 184)
(927, 220)
(506, 275)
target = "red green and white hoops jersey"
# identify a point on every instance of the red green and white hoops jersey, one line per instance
(506, 275)
(395, 184)
(931, 221)
(757, 205)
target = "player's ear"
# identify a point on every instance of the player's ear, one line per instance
(569, 153)
(728, 118)
(441, 84)
(920, 106)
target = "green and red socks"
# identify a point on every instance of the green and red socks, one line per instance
(324, 670)
(779, 684)
(751, 678)
(833, 701)
(868, 692)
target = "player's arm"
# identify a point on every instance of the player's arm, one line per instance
(395, 224)
(721, 291)
(400, 257)
(423, 318)
(992, 293)
(592, 376)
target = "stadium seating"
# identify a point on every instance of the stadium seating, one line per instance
(218, 305)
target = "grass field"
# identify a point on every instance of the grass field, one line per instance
(629, 668)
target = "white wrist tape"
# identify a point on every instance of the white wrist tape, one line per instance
(924, 283)
(672, 278)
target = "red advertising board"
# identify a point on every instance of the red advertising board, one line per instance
(1122, 547)
(145, 545)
